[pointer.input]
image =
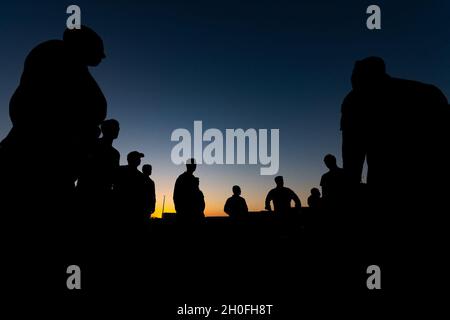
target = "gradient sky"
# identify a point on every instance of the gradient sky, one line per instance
(233, 64)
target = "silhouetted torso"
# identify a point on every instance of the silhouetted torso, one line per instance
(188, 199)
(236, 207)
(333, 186)
(282, 197)
(100, 168)
(129, 189)
(315, 202)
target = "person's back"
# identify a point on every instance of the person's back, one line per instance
(186, 193)
(235, 206)
(314, 200)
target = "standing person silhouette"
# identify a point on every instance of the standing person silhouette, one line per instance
(185, 194)
(95, 182)
(149, 190)
(129, 189)
(332, 183)
(55, 112)
(235, 206)
(399, 128)
(281, 198)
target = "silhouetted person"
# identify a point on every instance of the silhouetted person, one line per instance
(384, 120)
(399, 127)
(55, 112)
(102, 162)
(282, 197)
(149, 192)
(235, 206)
(95, 182)
(186, 194)
(315, 200)
(198, 201)
(130, 188)
(332, 183)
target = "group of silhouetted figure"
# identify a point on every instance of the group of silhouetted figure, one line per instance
(58, 164)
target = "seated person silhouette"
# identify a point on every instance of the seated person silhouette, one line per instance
(186, 195)
(332, 183)
(281, 198)
(129, 189)
(315, 200)
(149, 185)
(235, 206)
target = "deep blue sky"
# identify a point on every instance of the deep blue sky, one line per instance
(246, 64)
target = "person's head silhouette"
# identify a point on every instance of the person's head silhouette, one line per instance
(368, 73)
(236, 190)
(279, 181)
(134, 159)
(315, 192)
(147, 169)
(330, 161)
(110, 129)
(191, 165)
(85, 45)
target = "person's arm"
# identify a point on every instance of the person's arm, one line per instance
(245, 206)
(296, 199)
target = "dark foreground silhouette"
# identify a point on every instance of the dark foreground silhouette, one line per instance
(398, 127)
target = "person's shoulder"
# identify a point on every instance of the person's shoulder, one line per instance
(325, 176)
(47, 50)
(288, 189)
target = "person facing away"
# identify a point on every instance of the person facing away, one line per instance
(130, 189)
(149, 191)
(332, 183)
(186, 193)
(235, 206)
(315, 200)
(102, 163)
(281, 197)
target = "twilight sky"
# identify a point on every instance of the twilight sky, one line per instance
(233, 64)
